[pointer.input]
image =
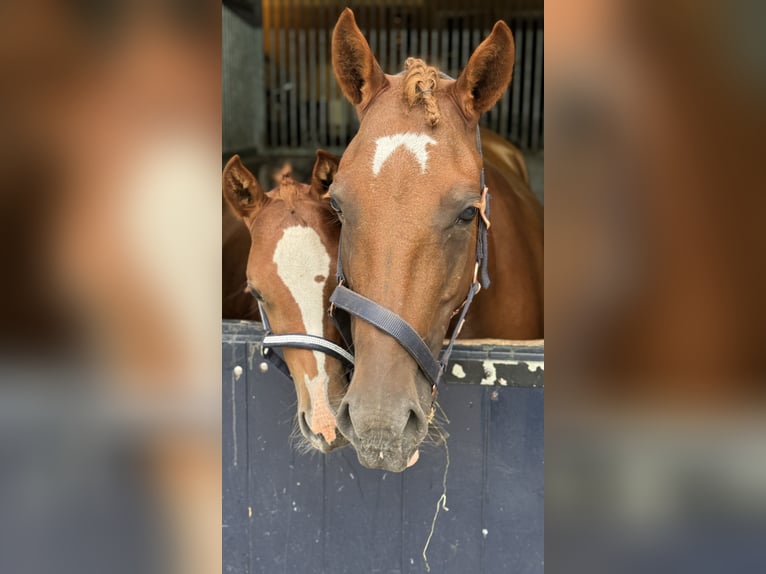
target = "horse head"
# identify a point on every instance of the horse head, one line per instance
(408, 193)
(290, 270)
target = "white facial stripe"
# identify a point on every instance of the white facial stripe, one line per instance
(300, 257)
(322, 420)
(386, 145)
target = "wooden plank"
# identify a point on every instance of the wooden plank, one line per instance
(363, 520)
(235, 519)
(272, 476)
(456, 541)
(514, 509)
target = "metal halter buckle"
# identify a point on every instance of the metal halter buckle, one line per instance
(483, 207)
(476, 278)
(331, 308)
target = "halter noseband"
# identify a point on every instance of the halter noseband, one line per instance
(393, 325)
(297, 341)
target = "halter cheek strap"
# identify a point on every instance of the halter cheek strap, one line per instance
(396, 327)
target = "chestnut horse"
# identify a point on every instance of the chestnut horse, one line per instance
(294, 245)
(408, 193)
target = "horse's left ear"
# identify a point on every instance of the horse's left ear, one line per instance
(325, 167)
(488, 72)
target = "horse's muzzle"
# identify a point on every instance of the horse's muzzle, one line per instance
(385, 453)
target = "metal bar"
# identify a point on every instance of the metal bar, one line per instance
(292, 82)
(504, 105)
(454, 51)
(272, 85)
(324, 72)
(518, 34)
(411, 26)
(303, 131)
(435, 58)
(383, 41)
(527, 98)
(445, 53)
(313, 95)
(282, 35)
(396, 63)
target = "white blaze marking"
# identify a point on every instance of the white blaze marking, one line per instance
(386, 145)
(300, 256)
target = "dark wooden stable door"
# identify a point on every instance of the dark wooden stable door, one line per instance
(311, 513)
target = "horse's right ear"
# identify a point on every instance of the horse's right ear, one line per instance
(488, 72)
(241, 189)
(325, 167)
(356, 69)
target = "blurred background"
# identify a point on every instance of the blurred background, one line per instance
(655, 450)
(109, 302)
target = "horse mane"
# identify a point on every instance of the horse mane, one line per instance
(420, 81)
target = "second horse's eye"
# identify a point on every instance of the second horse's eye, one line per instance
(335, 206)
(468, 214)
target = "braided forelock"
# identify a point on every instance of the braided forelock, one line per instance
(419, 85)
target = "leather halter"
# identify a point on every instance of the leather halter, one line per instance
(396, 327)
(297, 341)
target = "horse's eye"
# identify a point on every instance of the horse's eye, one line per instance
(335, 206)
(468, 214)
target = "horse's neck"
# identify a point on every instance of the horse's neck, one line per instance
(512, 308)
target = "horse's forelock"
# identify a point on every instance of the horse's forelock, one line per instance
(289, 190)
(420, 82)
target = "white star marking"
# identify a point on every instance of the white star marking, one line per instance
(416, 143)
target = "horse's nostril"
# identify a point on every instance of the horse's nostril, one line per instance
(343, 420)
(413, 426)
(304, 424)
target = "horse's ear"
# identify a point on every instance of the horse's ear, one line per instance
(488, 72)
(325, 167)
(241, 189)
(356, 69)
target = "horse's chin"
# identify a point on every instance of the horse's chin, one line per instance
(392, 460)
(320, 444)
